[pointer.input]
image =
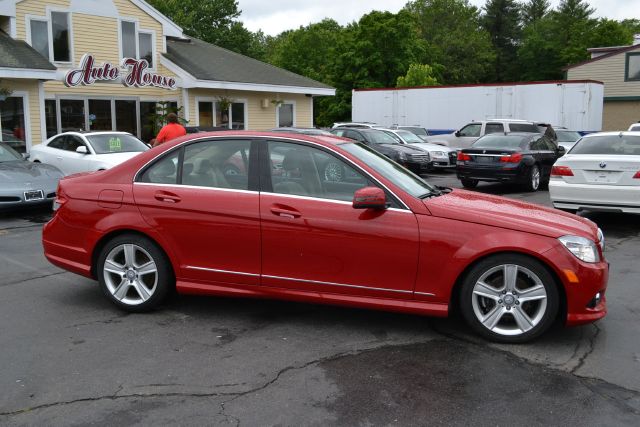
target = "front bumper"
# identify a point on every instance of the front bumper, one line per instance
(15, 199)
(581, 282)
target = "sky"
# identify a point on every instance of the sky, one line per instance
(275, 16)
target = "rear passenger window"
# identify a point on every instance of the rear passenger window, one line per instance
(163, 171)
(217, 164)
(494, 128)
(57, 143)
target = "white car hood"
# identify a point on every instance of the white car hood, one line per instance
(433, 147)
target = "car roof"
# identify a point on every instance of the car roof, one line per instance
(87, 133)
(325, 140)
(622, 132)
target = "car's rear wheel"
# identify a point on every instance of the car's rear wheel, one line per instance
(533, 178)
(134, 273)
(509, 298)
(469, 183)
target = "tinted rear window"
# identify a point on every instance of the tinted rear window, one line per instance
(523, 127)
(608, 144)
(502, 141)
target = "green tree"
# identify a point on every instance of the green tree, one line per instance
(214, 21)
(534, 10)
(456, 44)
(418, 75)
(501, 19)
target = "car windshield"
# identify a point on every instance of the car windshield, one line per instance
(380, 137)
(392, 171)
(524, 127)
(409, 137)
(500, 141)
(567, 136)
(608, 144)
(8, 154)
(107, 143)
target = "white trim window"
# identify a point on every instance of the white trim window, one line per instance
(15, 126)
(51, 36)
(286, 114)
(137, 43)
(208, 113)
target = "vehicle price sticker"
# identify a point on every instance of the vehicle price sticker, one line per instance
(115, 144)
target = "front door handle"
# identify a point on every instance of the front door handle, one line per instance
(164, 196)
(285, 213)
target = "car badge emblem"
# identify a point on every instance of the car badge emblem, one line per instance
(484, 151)
(603, 165)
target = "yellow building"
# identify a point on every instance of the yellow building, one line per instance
(619, 69)
(118, 64)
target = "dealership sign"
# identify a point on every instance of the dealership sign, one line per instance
(132, 73)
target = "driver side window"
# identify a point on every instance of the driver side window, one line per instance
(306, 171)
(471, 130)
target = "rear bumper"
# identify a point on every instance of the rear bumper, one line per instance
(492, 174)
(612, 198)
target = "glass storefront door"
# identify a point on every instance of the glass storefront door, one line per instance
(126, 117)
(148, 120)
(72, 117)
(12, 129)
(100, 114)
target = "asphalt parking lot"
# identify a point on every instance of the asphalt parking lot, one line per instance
(69, 357)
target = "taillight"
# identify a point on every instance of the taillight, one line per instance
(637, 175)
(514, 158)
(58, 202)
(463, 157)
(562, 171)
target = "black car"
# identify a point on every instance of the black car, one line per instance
(521, 158)
(412, 158)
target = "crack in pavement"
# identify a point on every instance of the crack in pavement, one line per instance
(590, 349)
(29, 279)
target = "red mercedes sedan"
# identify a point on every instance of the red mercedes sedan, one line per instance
(325, 220)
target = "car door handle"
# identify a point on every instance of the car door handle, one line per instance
(285, 213)
(163, 196)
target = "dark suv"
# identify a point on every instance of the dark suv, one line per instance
(412, 158)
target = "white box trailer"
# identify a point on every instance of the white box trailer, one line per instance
(574, 104)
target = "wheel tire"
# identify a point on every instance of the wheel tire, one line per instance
(333, 172)
(469, 183)
(495, 311)
(152, 276)
(533, 178)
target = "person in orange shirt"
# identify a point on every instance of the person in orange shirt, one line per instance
(170, 131)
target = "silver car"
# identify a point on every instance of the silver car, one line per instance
(24, 183)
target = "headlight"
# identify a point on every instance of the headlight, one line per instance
(582, 248)
(438, 154)
(402, 156)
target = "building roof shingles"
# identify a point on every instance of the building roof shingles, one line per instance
(18, 54)
(205, 61)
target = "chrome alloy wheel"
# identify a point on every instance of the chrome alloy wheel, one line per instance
(130, 274)
(333, 172)
(509, 299)
(535, 178)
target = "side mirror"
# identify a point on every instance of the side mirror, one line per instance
(457, 133)
(82, 149)
(26, 156)
(561, 151)
(369, 198)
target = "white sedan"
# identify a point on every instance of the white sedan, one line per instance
(74, 152)
(601, 172)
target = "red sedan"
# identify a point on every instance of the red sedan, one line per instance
(325, 220)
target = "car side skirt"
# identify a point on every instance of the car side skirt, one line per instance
(250, 291)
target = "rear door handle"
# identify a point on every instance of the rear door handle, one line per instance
(285, 213)
(163, 196)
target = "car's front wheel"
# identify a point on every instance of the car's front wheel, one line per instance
(134, 273)
(509, 298)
